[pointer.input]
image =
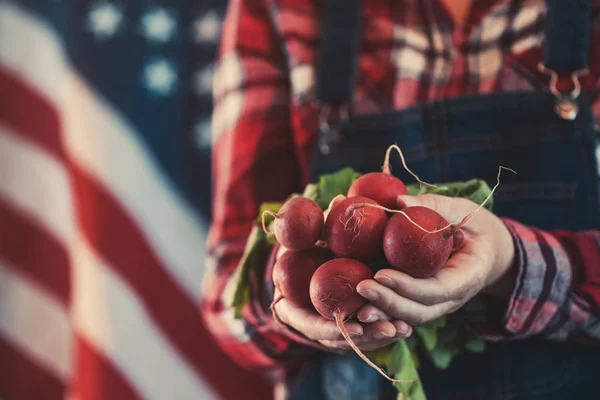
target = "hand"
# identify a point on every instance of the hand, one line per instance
(367, 336)
(483, 263)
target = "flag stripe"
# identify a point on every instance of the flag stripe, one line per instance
(21, 106)
(34, 253)
(23, 379)
(34, 322)
(121, 244)
(167, 223)
(96, 377)
(105, 306)
(35, 182)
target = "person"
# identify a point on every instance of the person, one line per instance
(305, 88)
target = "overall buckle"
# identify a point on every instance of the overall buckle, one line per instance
(566, 105)
(329, 130)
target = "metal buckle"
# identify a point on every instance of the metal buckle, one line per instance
(329, 134)
(566, 106)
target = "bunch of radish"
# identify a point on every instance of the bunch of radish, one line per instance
(328, 253)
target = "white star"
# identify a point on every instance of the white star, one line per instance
(104, 19)
(203, 133)
(207, 28)
(160, 77)
(204, 79)
(158, 25)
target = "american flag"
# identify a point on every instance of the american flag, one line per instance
(104, 177)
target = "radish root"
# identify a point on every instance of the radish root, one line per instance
(386, 166)
(264, 225)
(453, 226)
(340, 324)
(272, 308)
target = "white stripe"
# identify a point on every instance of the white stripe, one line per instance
(107, 147)
(108, 314)
(34, 322)
(30, 51)
(36, 184)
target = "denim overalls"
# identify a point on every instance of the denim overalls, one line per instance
(540, 135)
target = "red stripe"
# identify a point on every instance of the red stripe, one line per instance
(33, 251)
(96, 378)
(115, 236)
(24, 110)
(23, 379)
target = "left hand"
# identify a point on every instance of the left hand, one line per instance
(483, 263)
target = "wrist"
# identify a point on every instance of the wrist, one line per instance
(507, 265)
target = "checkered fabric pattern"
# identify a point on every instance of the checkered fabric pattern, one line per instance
(265, 129)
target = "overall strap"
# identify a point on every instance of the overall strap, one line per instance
(567, 35)
(339, 51)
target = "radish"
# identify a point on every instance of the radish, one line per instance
(333, 294)
(293, 271)
(413, 250)
(383, 187)
(298, 224)
(418, 240)
(355, 234)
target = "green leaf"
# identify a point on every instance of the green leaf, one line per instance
(475, 190)
(331, 185)
(475, 345)
(269, 219)
(255, 253)
(428, 332)
(442, 357)
(402, 366)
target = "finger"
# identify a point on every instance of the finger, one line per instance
(369, 314)
(425, 200)
(379, 330)
(403, 330)
(313, 325)
(399, 307)
(364, 346)
(458, 278)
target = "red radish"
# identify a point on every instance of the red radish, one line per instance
(293, 271)
(419, 240)
(333, 294)
(298, 224)
(382, 187)
(355, 234)
(410, 249)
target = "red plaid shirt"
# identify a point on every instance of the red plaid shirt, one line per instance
(265, 123)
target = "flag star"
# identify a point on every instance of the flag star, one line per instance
(104, 19)
(203, 133)
(160, 77)
(207, 28)
(204, 79)
(158, 25)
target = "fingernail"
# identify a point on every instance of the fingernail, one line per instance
(370, 318)
(369, 295)
(402, 329)
(355, 333)
(385, 281)
(382, 334)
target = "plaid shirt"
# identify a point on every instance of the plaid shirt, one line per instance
(265, 123)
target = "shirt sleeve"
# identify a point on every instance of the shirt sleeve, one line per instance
(254, 161)
(557, 290)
